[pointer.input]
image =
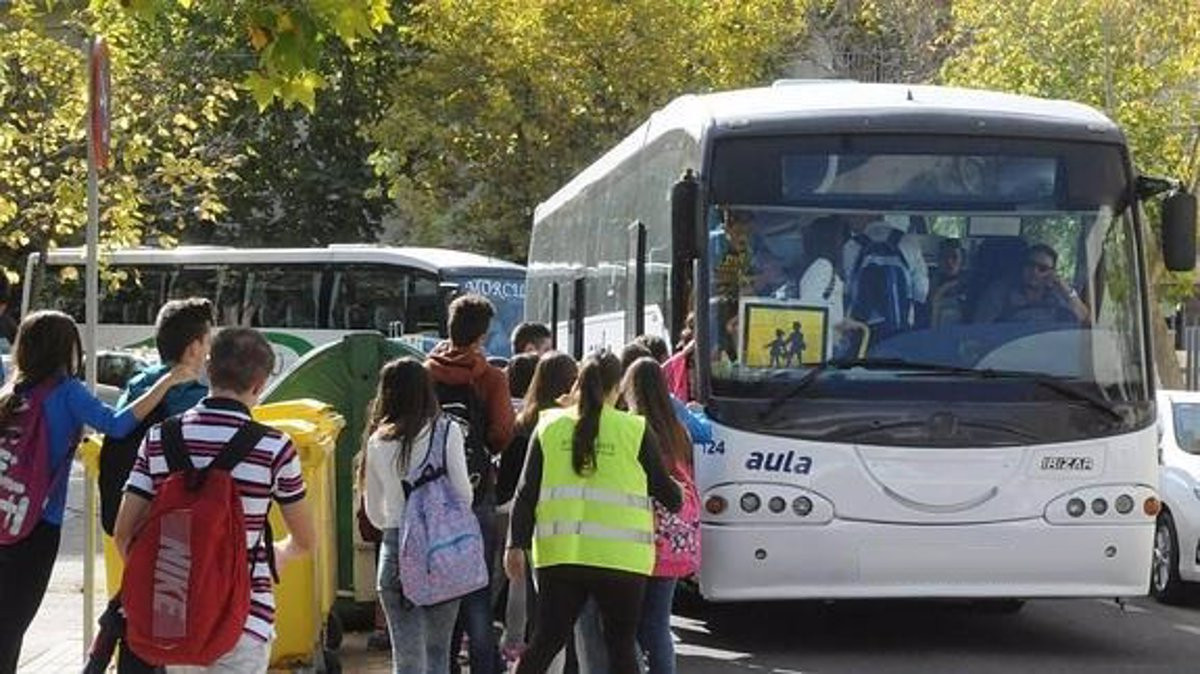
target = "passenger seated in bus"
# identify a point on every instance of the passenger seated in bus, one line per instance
(1037, 295)
(947, 300)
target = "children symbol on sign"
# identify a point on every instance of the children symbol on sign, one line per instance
(778, 348)
(795, 345)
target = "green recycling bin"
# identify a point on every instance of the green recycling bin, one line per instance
(344, 375)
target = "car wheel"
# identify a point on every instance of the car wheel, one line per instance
(1165, 584)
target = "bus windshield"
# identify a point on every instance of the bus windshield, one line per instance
(901, 277)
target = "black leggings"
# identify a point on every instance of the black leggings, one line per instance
(562, 592)
(25, 570)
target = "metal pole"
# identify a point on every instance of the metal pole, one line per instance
(91, 315)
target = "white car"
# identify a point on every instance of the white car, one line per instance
(1177, 537)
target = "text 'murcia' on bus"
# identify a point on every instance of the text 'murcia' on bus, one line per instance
(913, 306)
(300, 297)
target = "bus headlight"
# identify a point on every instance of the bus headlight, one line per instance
(776, 504)
(715, 505)
(1119, 505)
(802, 506)
(750, 502)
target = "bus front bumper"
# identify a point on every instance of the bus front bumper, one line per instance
(848, 559)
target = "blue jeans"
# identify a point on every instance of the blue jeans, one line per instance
(420, 634)
(475, 614)
(654, 629)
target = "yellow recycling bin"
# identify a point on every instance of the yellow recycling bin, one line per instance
(304, 622)
(308, 586)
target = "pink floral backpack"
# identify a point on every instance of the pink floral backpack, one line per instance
(441, 547)
(677, 535)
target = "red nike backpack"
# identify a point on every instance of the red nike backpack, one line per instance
(186, 588)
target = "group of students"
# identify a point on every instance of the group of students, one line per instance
(206, 463)
(586, 477)
(582, 470)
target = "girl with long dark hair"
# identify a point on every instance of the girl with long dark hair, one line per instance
(583, 507)
(48, 358)
(400, 429)
(677, 536)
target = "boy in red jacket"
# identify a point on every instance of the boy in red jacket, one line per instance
(461, 362)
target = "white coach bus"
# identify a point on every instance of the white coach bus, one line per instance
(300, 297)
(921, 332)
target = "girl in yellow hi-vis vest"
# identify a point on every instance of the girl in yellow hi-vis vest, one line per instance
(583, 508)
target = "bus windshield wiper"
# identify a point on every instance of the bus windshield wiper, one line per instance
(813, 373)
(1063, 388)
(1060, 386)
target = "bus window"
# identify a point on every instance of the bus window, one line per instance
(369, 298)
(134, 296)
(285, 297)
(194, 282)
(63, 291)
(425, 310)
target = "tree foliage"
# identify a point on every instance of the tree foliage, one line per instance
(167, 154)
(195, 157)
(512, 97)
(288, 38)
(1137, 60)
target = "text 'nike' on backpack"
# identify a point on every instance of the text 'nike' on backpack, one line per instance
(880, 287)
(441, 546)
(26, 481)
(186, 588)
(463, 405)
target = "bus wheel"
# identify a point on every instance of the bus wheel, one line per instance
(1165, 583)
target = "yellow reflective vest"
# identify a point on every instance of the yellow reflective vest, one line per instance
(602, 519)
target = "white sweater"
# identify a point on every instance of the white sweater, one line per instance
(385, 490)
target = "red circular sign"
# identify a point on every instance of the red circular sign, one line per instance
(98, 109)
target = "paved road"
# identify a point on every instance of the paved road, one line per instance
(928, 638)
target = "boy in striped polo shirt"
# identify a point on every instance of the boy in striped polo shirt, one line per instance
(240, 362)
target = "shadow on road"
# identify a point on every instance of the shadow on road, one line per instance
(927, 636)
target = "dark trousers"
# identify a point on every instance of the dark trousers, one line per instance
(475, 610)
(563, 590)
(25, 570)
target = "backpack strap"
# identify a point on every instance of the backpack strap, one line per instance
(174, 450)
(864, 242)
(239, 446)
(894, 239)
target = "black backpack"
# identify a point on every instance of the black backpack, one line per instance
(117, 456)
(461, 404)
(879, 283)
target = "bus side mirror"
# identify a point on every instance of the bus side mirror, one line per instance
(1179, 231)
(685, 195)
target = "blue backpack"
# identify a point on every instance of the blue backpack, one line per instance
(441, 547)
(880, 286)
